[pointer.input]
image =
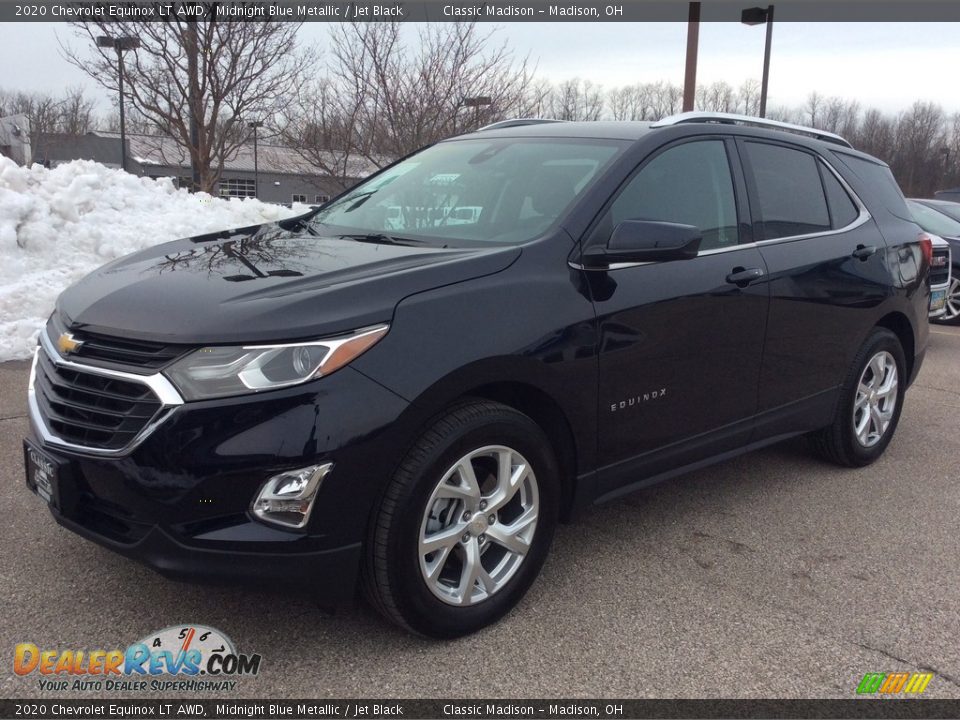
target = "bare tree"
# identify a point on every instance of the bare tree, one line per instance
(575, 99)
(748, 97)
(72, 113)
(716, 97)
(626, 103)
(920, 144)
(665, 99)
(811, 109)
(785, 114)
(952, 152)
(876, 135)
(837, 115)
(200, 81)
(383, 98)
(136, 124)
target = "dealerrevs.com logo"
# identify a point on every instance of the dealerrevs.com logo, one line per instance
(183, 658)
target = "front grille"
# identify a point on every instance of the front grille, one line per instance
(111, 351)
(92, 410)
(940, 274)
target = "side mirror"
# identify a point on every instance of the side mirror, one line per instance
(635, 241)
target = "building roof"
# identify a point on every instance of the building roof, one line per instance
(160, 150)
(157, 150)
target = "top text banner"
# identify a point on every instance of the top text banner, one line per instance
(495, 11)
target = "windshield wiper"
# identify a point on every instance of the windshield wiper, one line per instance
(383, 239)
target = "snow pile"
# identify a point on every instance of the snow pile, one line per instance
(58, 225)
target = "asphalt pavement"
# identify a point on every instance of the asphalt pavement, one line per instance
(772, 575)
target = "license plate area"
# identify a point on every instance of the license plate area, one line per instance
(938, 300)
(43, 473)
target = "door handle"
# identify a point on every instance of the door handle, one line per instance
(864, 251)
(744, 276)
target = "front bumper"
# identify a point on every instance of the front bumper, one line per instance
(179, 500)
(329, 574)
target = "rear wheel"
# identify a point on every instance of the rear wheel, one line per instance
(465, 525)
(870, 403)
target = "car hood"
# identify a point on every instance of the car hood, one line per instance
(264, 283)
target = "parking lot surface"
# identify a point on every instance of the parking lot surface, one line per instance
(772, 575)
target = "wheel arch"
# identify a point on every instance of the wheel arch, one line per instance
(546, 412)
(900, 325)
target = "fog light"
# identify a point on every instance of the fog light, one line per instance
(287, 499)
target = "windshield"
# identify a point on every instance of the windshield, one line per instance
(504, 190)
(934, 221)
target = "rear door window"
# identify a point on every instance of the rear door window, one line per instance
(789, 189)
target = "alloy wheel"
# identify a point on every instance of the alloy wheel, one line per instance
(876, 399)
(953, 302)
(478, 525)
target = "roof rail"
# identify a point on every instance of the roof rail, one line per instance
(517, 122)
(733, 119)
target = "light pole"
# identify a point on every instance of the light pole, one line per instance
(256, 167)
(476, 103)
(759, 16)
(693, 40)
(120, 44)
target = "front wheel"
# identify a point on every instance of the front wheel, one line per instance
(465, 524)
(870, 403)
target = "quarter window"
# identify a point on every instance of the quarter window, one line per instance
(792, 200)
(688, 184)
(843, 211)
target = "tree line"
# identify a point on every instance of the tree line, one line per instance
(379, 91)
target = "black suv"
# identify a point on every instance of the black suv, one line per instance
(407, 389)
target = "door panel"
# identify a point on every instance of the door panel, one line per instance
(821, 299)
(680, 342)
(827, 275)
(679, 357)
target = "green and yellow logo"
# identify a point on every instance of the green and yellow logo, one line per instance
(894, 683)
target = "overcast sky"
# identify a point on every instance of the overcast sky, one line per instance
(884, 65)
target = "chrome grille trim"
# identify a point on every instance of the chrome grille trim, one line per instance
(170, 399)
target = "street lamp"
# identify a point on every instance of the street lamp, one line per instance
(256, 167)
(476, 103)
(759, 16)
(120, 44)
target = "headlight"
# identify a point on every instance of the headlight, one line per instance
(213, 372)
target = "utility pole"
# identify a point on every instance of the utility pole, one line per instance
(693, 42)
(193, 81)
(759, 16)
(255, 124)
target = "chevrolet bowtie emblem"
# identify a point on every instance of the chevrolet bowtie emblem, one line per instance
(66, 343)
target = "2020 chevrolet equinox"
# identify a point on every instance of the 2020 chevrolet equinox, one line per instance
(407, 389)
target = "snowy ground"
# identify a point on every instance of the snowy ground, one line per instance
(57, 225)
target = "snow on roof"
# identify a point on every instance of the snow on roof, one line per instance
(160, 150)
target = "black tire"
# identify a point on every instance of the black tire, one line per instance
(838, 442)
(392, 578)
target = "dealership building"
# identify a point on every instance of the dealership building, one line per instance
(284, 175)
